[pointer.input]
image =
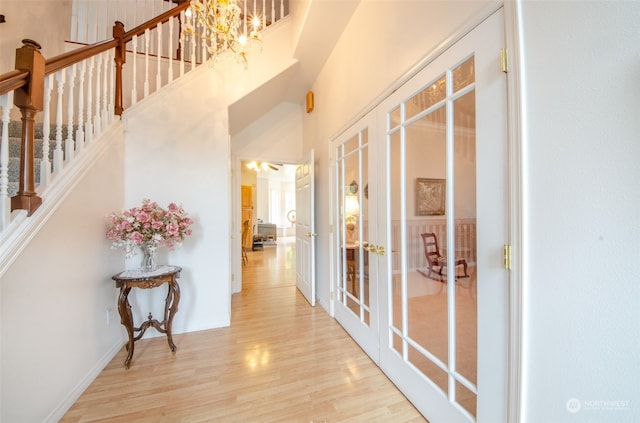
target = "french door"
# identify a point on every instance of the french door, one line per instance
(355, 305)
(434, 313)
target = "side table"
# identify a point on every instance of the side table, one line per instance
(138, 279)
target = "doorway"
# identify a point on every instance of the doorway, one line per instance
(266, 209)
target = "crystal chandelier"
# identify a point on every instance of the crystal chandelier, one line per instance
(219, 24)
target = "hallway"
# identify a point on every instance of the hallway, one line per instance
(280, 361)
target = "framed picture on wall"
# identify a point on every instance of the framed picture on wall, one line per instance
(430, 196)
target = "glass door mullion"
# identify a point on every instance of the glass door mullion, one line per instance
(451, 248)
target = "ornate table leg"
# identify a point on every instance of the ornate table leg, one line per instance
(170, 309)
(126, 318)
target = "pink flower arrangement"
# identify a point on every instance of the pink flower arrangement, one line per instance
(149, 224)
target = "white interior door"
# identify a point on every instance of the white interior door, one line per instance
(443, 321)
(356, 291)
(305, 230)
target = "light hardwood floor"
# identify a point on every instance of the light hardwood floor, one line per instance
(279, 361)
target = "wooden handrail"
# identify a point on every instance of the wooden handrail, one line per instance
(13, 80)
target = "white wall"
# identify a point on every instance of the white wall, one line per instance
(582, 210)
(54, 299)
(178, 150)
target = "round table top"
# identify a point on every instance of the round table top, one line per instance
(139, 274)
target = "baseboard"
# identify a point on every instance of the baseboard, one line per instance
(75, 393)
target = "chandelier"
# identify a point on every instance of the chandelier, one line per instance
(222, 27)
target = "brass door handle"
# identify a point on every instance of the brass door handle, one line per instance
(311, 234)
(380, 250)
(370, 248)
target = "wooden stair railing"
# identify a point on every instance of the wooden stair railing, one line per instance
(27, 83)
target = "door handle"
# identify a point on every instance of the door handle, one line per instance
(370, 248)
(311, 234)
(380, 250)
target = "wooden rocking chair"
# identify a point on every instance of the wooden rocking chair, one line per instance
(436, 262)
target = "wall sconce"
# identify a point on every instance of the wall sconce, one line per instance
(351, 211)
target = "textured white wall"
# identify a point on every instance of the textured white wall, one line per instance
(582, 210)
(54, 298)
(177, 149)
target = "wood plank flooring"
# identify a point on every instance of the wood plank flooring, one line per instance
(279, 361)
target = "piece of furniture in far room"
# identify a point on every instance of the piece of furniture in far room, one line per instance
(437, 263)
(257, 240)
(268, 231)
(245, 240)
(145, 280)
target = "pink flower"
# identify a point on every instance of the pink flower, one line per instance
(137, 237)
(172, 229)
(157, 224)
(143, 217)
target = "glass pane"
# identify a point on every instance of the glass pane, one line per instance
(394, 118)
(464, 75)
(466, 328)
(466, 398)
(351, 145)
(363, 224)
(427, 293)
(395, 174)
(429, 369)
(433, 93)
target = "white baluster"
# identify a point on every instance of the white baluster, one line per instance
(45, 164)
(69, 146)
(97, 128)
(264, 13)
(73, 31)
(281, 9)
(134, 86)
(88, 126)
(146, 62)
(80, 131)
(244, 12)
(273, 14)
(105, 89)
(58, 155)
(110, 112)
(6, 101)
(181, 43)
(193, 46)
(171, 52)
(159, 57)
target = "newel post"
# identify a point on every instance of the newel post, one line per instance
(120, 59)
(30, 100)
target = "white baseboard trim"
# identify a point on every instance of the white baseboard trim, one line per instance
(64, 406)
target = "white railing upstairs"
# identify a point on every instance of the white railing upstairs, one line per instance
(92, 20)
